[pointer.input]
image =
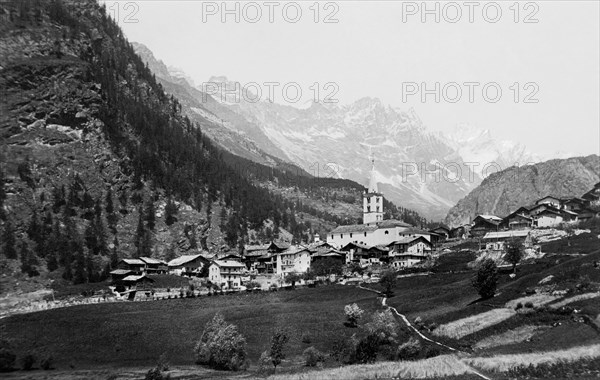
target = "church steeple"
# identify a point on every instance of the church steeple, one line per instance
(372, 199)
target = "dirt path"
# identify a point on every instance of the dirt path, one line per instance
(416, 330)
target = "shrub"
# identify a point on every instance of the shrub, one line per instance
(264, 362)
(221, 346)
(312, 356)
(388, 280)
(27, 362)
(306, 338)
(519, 306)
(529, 305)
(384, 326)
(366, 349)
(46, 363)
(7, 359)
(353, 314)
(409, 350)
(343, 350)
(156, 374)
(486, 279)
(278, 342)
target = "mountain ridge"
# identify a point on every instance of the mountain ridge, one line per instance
(503, 192)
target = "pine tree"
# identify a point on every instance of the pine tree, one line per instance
(108, 201)
(150, 214)
(79, 268)
(8, 236)
(170, 212)
(2, 196)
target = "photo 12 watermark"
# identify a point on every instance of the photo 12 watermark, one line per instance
(270, 11)
(471, 92)
(453, 12)
(280, 92)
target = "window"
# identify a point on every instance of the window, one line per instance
(387, 232)
(341, 236)
(332, 236)
(365, 233)
(350, 234)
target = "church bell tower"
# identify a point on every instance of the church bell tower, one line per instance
(372, 200)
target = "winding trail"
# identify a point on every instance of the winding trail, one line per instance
(414, 328)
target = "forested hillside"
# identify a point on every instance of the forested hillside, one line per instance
(98, 162)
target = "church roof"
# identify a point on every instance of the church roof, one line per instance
(390, 223)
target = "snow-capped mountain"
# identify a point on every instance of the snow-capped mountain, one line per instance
(418, 169)
(485, 154)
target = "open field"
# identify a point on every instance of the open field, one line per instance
(136, 334)
(503, 363)
(465, 326)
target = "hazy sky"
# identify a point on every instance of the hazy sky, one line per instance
(380, 48)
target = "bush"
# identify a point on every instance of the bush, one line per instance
(409, 350)
(343, 350)
(264, 362)
(431, 351)
(486, 279)
(366, 349)
(27, 362)
(388, 281)
(221, 346)
(46, 363)
(7, 360)
(278, 342)
(353, 314)
(306, 338)
(156, 374)
(384, 326)
(519, 306)
(312, 356)
(529, 305)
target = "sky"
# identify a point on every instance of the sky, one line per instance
(528, 71)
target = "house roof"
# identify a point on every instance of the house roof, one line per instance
(228, 263)
(489, 217)
(548, 197)
(133, 261)
(417, 231)
(182, 260)
(445, 229)
(357, 245)
(506, 234)
(354, 228)
(137, 278)
(390, 223)
(292, 250)
(149, 260)
(279, 245)
(409, 239)
(330, 254)
(120, 272)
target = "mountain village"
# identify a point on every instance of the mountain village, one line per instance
(372, 246)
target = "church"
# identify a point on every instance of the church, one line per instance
(374, 231)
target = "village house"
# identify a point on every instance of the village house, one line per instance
(517, 220)
(415, 244)
(134, 282)
(188, 265)
(441, 231)
(293, 260)
(364, 254)
(592, 197)
(483, 224)
(407, 260)
(119, 274)
(135, 266)
(331, 254)
(226, 273)
(550, 200)
(575, 204)
(495, 241)
(154, 266)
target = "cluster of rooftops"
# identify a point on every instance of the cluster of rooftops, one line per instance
(548, 211)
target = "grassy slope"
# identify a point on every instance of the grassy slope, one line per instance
(136, 334)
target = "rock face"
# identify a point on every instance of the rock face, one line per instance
(503, 192)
